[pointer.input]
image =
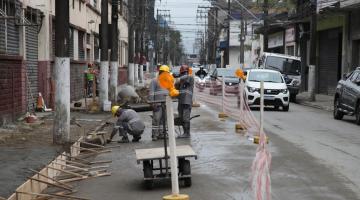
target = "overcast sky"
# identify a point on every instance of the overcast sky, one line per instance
(183, 12)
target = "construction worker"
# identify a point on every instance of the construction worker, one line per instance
(185, 86)
(128, 122)
(90, 76)
(157, 95)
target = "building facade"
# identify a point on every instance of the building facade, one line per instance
(27, 41)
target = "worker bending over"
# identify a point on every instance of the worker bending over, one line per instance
(185, 85)
(128, 122)
(157, 95)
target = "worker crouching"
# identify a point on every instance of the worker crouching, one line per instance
(129, 122)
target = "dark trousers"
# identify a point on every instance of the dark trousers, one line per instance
(184, 114)
(89, 87)
(157, 121)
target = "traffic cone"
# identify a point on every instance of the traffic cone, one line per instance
(40, 103)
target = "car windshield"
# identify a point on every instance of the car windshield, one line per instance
(284, 65)
(226, 72)
(258, 76)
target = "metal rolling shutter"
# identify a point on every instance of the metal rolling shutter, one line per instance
(328, 61)
(11, 45)
(12, 38)
(32, 64)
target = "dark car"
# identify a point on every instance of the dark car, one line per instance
(347, 96)
(231, 81)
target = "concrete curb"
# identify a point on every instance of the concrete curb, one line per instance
(313, 105)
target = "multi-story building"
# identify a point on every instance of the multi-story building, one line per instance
(27, 49)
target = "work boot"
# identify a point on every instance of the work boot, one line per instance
(136, 139)
(124, 139)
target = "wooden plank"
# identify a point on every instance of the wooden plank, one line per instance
(159, 153)
(53, 195)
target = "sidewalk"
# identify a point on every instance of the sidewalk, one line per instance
(324, 102)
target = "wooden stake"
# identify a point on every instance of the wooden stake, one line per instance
(75, 163)
(76, 158)
(56, 181)
(48, 183)
(86, 177)
(65, 171)
(52, 195)
(94, 145)
(71, 166)
(101, 162)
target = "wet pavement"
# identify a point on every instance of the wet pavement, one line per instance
(222, 170)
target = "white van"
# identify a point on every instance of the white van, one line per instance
(289, 66)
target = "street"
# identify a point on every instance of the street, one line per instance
(313, 157)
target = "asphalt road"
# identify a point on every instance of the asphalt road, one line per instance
(314, 158)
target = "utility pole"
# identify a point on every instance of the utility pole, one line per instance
(157, 38)
(266, 35)
(313, 51)
(61, 131)
(242, 39)
(104, 62)
(114, 64)
(131, 52)
(227, 55)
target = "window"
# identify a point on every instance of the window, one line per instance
(290, 50)
(258, 76)
(73, 4)
(81, 51)
(284, 65)
(80, 5)
(88, 38)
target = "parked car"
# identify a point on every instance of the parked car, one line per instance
(347, 96)
(289, 66)
(230, 79)
(276, 92)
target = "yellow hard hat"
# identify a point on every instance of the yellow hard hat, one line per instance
(164, 68)
(114, 109)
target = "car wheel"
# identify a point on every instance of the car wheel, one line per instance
(286, 108)
(337, 113)
(358, 113)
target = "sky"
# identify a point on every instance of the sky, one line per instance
(183, 15)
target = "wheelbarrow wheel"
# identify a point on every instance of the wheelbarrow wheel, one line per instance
(148, 173)
(186, 170)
